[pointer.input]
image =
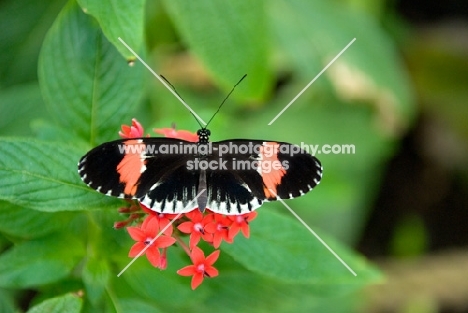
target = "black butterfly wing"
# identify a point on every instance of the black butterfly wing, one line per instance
(227, 189)
(257, 171)
(303, 174)
(233, 191)
(174, 192)
(134, 168)
(167, 182)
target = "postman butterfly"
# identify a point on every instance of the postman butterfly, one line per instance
(230, 177)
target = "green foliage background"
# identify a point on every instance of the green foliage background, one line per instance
(59, 250)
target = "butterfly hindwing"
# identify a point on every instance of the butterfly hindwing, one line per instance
(172, 192)
(227, 191)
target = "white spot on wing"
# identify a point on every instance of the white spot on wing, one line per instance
(221, 207)
(169, 206)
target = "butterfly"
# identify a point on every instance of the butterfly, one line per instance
(230, 177)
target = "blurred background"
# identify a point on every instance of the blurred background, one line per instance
(417, 227)
(399, 94)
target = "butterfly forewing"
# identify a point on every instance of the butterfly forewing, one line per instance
(128, 168)
(303, 174)
(273, 169)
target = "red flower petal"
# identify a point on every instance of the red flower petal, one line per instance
(194, 215)
(168, 230)
(153, 255)
(211, 271)
(163, 260)
(163, 222)
(150, 226)
(212, 257)
(233, 230)
(134, 131)
(197, 279)
(136, 249)
(194, 239)
(164, 241)
(136, 233)
(246, 230)
(186, 227)
(197, 256)
(187, 270)
(217, 239)
(251, 216)
(137, 126)
(211, 227)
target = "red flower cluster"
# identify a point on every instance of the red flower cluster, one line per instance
(159, 231)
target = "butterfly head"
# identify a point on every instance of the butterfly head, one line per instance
(203, 135)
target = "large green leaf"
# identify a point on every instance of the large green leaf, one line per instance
(119, 18)
(68, 303)
(165, 286)
(87, 85)
(39, 262)
(96, 275)
(43, 176)
(282, 248)
(230, 38)
(26, 223)
(240, 291)
(130, 305)
(20, 105)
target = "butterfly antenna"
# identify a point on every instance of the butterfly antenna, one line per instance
(226, 99)
(173, 88)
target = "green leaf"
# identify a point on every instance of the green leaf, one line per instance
(129, 305)
(7, 303)
(20, 105)
(68, 303)
(283, 248)
(230, 38)
(27, 224)
(165, 286)
(44, 130)
(87, 86)
(96, 275)
(43, 176)
(40, 261)
(119, 18)
(241, 291)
